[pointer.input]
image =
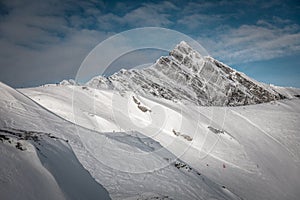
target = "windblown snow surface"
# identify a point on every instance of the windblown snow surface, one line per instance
(127, 144)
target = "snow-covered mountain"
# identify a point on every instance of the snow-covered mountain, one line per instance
(185, 75)
(146, 134)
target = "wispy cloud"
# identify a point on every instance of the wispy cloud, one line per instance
(148, 14)
(198, 21)
(262, 41)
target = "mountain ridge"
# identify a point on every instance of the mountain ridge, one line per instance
(185, 75)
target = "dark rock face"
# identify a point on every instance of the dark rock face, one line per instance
(186, 76)
(258, 93)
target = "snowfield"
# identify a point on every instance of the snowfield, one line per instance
(101, 154)
(69, 141)
(252, 150)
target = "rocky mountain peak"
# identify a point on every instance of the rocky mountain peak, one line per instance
(186, 76)
(183, 47)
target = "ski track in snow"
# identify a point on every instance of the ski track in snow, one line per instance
(262, 131)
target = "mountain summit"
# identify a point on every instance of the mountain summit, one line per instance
(185, 75)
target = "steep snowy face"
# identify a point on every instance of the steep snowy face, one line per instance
(187, 76)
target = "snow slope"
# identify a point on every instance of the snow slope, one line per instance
(22, 176)
(251, 150)
(102, 153)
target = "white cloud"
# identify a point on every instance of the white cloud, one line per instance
(195, 21)
(263, 41)
(149, 14)
(146, 16)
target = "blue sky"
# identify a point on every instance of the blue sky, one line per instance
(46, 41)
